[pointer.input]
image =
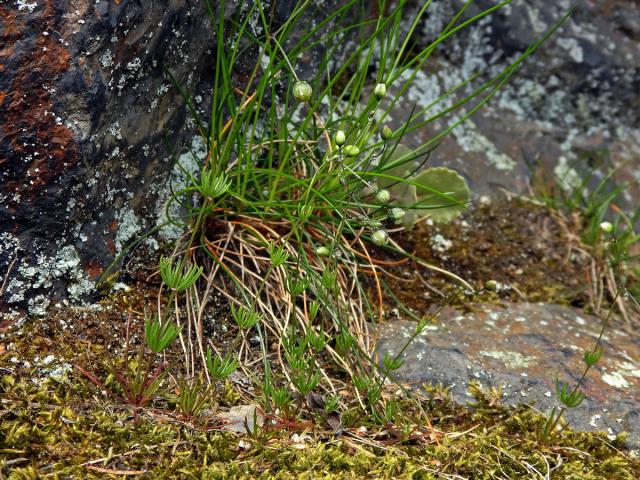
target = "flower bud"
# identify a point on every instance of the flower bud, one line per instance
(323, 251)
(380, 237)
(383, 196)
(606, 227)
(340, 138)
(351, 151)
(396, 213)
(302, 91)
(386, 133)
(380, 91)
(491, 285)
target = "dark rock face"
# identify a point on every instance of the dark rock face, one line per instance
(86, 113)
(523, 348)
(84, 107)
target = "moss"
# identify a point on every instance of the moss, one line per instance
(63, 426)
(69, 430)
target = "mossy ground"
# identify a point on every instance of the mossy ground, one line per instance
(56, 423)
(64, 427)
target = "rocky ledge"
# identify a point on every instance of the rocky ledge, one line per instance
(523, 348)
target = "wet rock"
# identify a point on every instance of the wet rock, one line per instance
(523, 348)
(570, 108)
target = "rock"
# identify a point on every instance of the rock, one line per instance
(242, 418)
(84, 108)
(523, 348)
(571, 107)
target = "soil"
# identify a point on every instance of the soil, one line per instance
(524, 247)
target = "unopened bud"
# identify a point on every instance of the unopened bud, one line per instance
(340, 138)
(351, 151)
(606, 227)
(323, 251)
(380, 91)
(386, 133)
(491, 285)
(383, 196)
(396, 213)
(380, 237)
(302, 91)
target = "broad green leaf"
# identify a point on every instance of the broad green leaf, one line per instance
(453, 197)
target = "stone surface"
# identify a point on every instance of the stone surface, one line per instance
(84, 108)
(242, 418)
(523, 348)
(571, 107)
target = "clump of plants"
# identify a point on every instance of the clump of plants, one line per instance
(303, 181)
(585, 206)
(303, 184)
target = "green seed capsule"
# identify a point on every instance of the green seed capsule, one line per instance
(386, 133)
(380, 237)
(351, 151)
(302, 91)
(340, 138)
(323, 252)
(380, 91)
(383, 196)
(491, 285)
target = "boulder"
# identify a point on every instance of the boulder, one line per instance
(522, 348)
(89, 120)
(571, 108)
(85, 107)
(86, 113)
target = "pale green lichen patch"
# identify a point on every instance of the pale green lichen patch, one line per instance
(620, 377)
(615, 379)
(513, 360)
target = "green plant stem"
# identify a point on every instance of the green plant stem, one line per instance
(605, 324)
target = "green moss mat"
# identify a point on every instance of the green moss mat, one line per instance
(68, 430)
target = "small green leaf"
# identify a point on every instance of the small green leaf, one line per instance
(445, 193)
(390, 362)
(213, 184)
(440, 193)
(593, 357)
(159, 336)
(244, 317)
(175, 277)
(278, 254)
(221, 367)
